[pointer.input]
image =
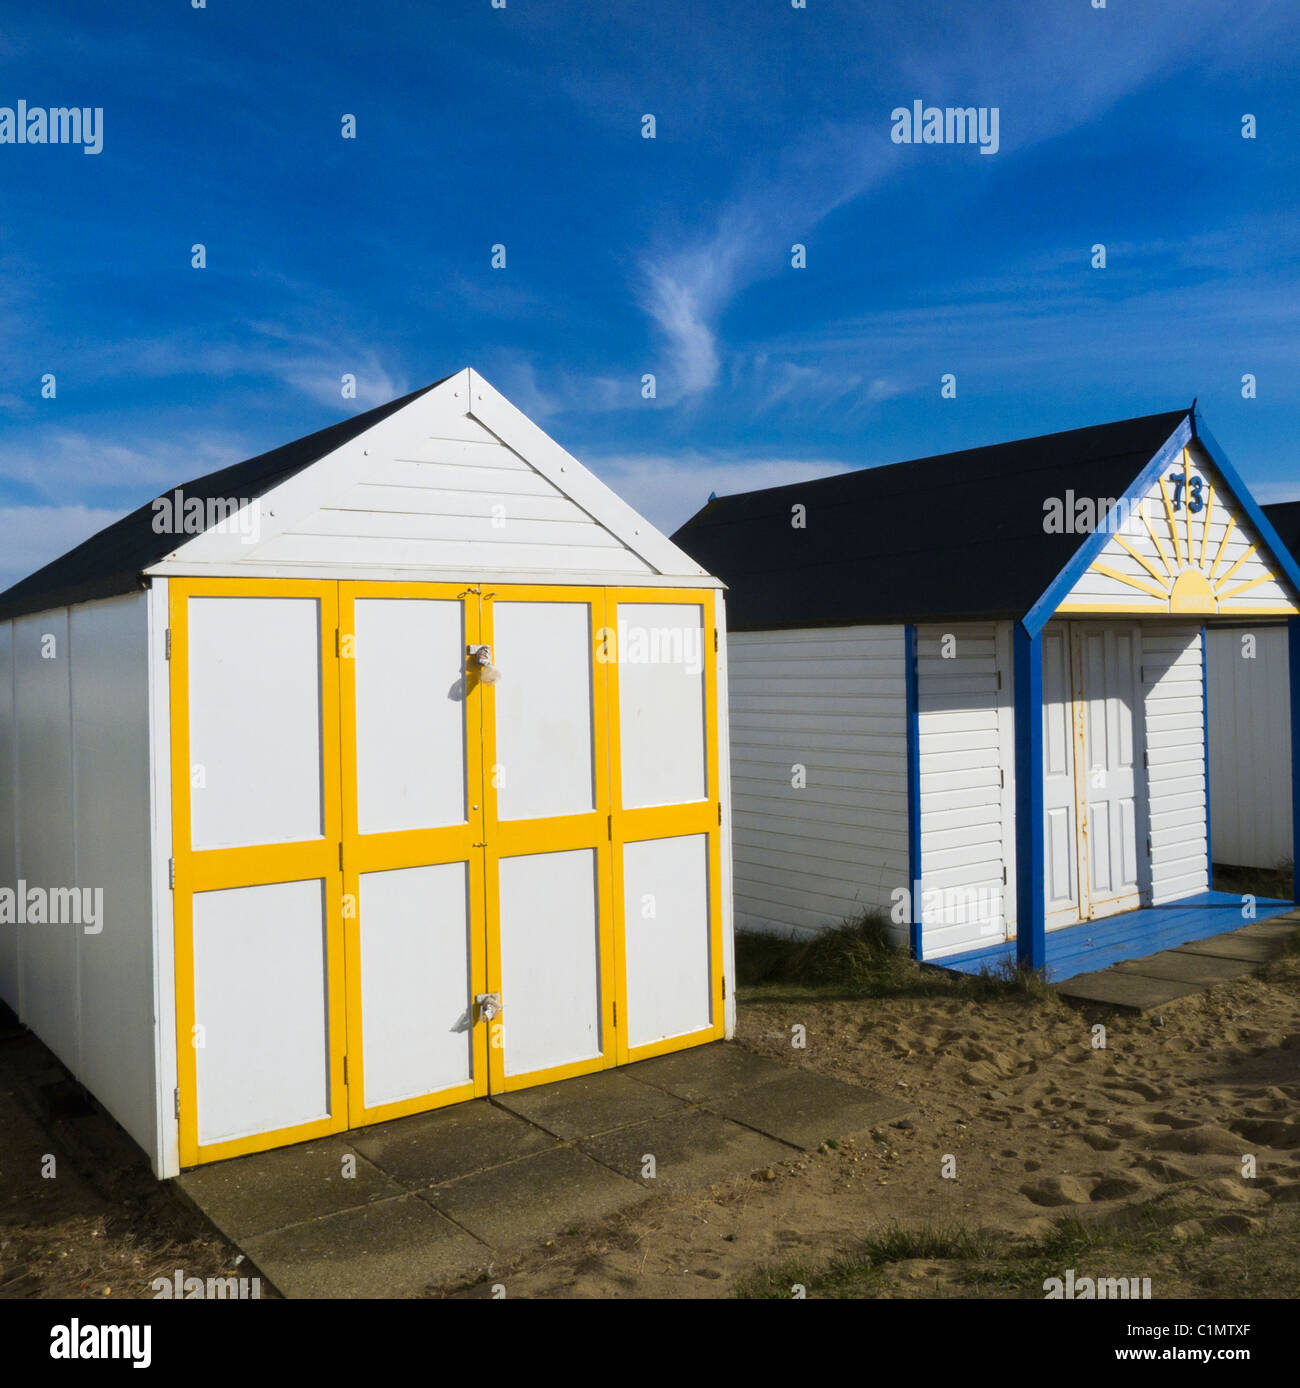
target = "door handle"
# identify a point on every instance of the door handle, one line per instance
(489, 1006)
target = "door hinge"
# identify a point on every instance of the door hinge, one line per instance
(1002, 779)
(338, 642)
(171, 873)
(1146, 760)
(611, 828)
(167, 644)
(616, 1015)
(719, 811)
(345, 1071)
(715, 638)
(340, 855)
(176, 1101)
(1004, 874)
(998, 677)
(724, 987)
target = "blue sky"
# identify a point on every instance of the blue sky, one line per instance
(523, 126)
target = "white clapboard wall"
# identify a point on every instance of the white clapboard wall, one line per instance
(1172, 692)
(833, 701)
(1250, 745)
(966, 726)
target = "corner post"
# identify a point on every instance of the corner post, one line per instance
(912, 684)
(1031, 907)
(1293, 642)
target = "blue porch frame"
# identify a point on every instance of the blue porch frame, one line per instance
(1091, 945)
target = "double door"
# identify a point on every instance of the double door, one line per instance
(433, 841)
(1095, 841)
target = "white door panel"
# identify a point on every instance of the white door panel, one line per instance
(544, 762)
(550, 967)
(415, 981)
(254, 721)
(262, 1043)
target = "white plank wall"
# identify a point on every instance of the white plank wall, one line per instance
(1250, 746)
(455, 498)
(967, 748)
(1175, 743)
(77, 815)
(832, 700)
(8, 822)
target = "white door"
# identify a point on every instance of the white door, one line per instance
(1108, 696)
(546, 740)
(1060, 827)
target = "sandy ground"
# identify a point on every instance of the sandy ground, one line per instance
(100, 1225)
(1147, 1134)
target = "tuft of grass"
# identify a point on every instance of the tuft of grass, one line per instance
(1274, 882)
(857, 959)
(866, 1269)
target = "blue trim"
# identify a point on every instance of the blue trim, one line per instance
(1205, 717)
(1091, 945)
(1282, 556)
(1031, 903)
(1293, 632)
(1059, 589)
(913, 789)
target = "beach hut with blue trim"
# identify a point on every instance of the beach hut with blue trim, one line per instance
(968, 692)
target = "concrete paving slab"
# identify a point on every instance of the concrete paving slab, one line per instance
(525, 1201)
(692, 1148)
(394, 1248)
(1128, 991)
(269, 1190)
(589, 1104)
(804, 1108)
(430, 1148)
(705, 1072)
(1277, 928)
(1199, 969)
(1255, 950)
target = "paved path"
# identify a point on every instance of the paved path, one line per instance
(396, 1209)
(1138, 985)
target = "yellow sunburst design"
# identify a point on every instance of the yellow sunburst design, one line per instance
(1181, 580)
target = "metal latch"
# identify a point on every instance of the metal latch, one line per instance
(489, 1006)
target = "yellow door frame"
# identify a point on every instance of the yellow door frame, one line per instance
(379, 852)
(552, 834)
(340, 857)
(633, 825)
(257, 865)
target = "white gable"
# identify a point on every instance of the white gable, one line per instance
(1183, 547)
(456, 484)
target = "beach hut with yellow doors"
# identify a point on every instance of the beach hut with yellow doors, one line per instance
(377, 772)
(968, 692)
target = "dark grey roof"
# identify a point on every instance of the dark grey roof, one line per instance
(1284, 516)
(114, 560)
(953, 537)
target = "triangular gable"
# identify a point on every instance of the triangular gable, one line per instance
(1186, 539)
(445, 485)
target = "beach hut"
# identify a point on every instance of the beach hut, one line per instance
(374, 773)
(968, 692)
(1249, 691)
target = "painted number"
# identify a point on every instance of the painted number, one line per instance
(1195, 502)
